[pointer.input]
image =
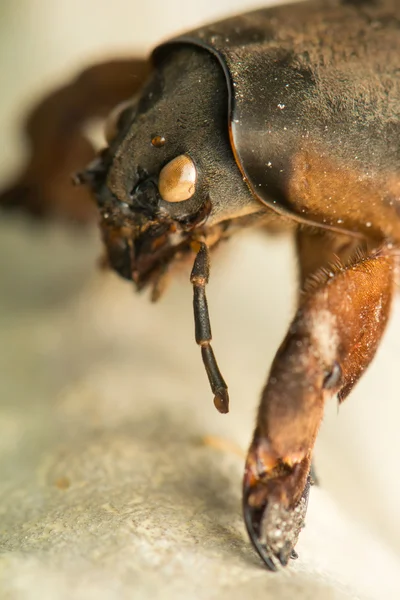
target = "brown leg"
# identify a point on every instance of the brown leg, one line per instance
(343, 310)
(58, 145)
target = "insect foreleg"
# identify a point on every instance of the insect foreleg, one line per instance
(342, 314)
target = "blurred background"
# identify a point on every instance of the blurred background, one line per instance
(80, 352)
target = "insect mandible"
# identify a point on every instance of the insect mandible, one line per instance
(289, 113)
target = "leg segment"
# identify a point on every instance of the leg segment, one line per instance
(199, 278)
(58, 145)
(343, 310)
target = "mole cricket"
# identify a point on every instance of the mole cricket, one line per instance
(287, 115)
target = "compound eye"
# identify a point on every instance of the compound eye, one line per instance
(177, 180)
(112, 125)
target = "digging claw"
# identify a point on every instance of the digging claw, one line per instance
(252, 519)
(273, 524)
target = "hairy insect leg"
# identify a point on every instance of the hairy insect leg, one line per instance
(199, 278)
(58, 145)
(343, 310)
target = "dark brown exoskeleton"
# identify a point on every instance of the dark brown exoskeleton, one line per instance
(292, 112)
